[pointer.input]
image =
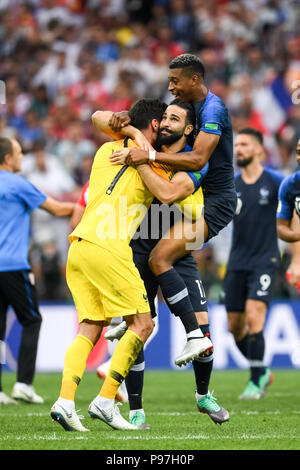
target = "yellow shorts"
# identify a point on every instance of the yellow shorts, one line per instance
(102, 284)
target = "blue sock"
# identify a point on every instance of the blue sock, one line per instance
(135, 382)
(203, 367)
(256, 351)
(177, 297)
(243, 345)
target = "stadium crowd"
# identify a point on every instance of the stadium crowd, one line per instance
(61, 60)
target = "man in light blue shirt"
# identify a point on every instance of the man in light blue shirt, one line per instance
(18, 197)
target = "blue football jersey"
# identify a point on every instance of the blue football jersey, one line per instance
(289, 197)
(212, 117)
(254, 241)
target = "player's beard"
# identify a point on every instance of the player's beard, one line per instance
(242, 163)
(169, 138)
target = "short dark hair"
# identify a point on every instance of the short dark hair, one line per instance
(253, 132)
(143, 111)
(6, 148)
(189, 62)
(189, 108)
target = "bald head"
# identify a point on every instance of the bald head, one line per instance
(10, 155)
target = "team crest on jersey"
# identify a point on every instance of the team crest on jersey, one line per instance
(264, 196)
(297, 205)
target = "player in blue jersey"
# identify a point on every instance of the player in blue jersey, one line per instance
(18, 197)
(213, 145)
(254, 257)
(289, 200)
(288, 222)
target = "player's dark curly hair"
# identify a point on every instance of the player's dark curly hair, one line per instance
(253, 132)
(190, 111)
(143, 111)
(190, 63)
(5, 148)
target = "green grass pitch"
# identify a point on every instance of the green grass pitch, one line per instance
(271, 423)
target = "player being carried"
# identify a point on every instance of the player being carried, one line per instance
(213, 144)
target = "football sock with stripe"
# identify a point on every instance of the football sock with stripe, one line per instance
(124, 356)
(256, 350)
(75, 364)
(243, 345)
(176, 295)
(203, 367)
(135, 381)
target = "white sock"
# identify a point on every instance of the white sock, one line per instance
(103, 402)
(198, 396)
(131, 412)
(66, 403)
(195, 334)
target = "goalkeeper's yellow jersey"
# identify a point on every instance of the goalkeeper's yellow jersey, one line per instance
(118, 199)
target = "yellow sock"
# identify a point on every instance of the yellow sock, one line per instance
(75, 364)
(123, 358)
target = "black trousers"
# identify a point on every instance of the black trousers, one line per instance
(17, 289)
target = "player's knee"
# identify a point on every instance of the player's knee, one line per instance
(236, 329)
(146, 327)
(157, 264)
(255, 321)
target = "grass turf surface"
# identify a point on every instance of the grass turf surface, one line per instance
(271, 423)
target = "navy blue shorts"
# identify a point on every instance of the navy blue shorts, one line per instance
(219, 212)
(18, 290)
(186, 267)
(239, 286)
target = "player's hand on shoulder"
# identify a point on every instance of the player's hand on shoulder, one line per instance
(137, 157)
(132, 157)
(119, 156)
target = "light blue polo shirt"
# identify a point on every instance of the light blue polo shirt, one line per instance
(18, 197)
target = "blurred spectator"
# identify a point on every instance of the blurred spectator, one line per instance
(30, 130)
(90, 92)
(107, 49)
(56, 74)
(71, 151)
(40, 102)
(51, 10)
(164, 38)
(182, 23)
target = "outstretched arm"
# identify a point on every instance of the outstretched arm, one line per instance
(57, 208)
(101, 120)
(204, 146)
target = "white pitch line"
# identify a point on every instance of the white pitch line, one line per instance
(50, 437)
(171, 413)
(143, 437)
